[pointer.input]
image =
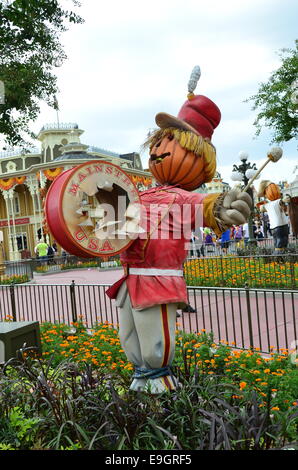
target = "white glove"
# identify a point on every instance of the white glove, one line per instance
(235, 208)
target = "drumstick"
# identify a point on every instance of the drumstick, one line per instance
(274, 154)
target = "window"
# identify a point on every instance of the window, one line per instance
(19, 239)
(14, 205)
(36, 203)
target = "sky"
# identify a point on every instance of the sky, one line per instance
(132, 59)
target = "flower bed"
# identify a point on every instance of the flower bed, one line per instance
(276, 375)
(76, 397)
(14, 279)
(100, 347)
(96, 263)
(236, 272)
(91, 264)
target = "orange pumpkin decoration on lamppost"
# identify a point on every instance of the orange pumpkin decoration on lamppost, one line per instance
(277, 214)
(269, 190)
(272, 192)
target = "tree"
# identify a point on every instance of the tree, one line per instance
(30, 51)
(276, 100)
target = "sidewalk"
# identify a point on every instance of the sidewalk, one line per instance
(81, 276)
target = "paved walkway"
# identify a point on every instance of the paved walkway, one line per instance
(81, 276)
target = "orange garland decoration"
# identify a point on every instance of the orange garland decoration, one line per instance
(7, 183)
(20, 179)
(52, 173)
(144, 180)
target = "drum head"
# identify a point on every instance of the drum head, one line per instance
(92, 210)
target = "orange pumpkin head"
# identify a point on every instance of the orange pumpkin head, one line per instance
(180, 157)
(272, 192)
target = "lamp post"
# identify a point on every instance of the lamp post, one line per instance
(243, 173)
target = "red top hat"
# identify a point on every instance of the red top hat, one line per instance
(198, 114)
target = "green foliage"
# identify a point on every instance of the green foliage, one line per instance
(99, 346)
(17, 430)
(228, 399)
(273, 99)
(29, 52)
(266, 251)
(23, 426)
(261, 271)
(76, 406)
(91, 264)
(6, 447)
(14, 279)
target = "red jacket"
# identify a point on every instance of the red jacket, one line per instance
(164, 246)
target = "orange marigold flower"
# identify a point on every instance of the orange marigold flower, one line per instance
(242, 385)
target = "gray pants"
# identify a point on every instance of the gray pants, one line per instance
(147, 337)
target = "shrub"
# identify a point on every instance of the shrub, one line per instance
(230, 271)
(227, 399)
(78, 406)
(14, 279)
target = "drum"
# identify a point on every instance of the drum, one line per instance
(93, 210)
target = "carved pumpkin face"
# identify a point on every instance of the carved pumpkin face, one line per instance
(272, 192)
(170, 163)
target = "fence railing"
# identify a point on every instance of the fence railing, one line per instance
(234, 247)
(244, 317)
(28, 266)
(51, 265)
(260, 271)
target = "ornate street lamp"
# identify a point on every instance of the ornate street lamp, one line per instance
(243, 173)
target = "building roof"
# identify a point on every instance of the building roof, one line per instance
(75, 156)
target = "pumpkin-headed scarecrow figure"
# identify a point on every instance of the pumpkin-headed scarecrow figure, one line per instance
(182, 158)
(277, 214)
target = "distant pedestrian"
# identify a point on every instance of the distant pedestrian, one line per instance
(238, 233)
(225, 241)
(50, 255)
(194, 253)
(259, 234)
(208, 240)
(245, 233)
(55, 248)
(266, 224)
(64, 256)
(41, 250)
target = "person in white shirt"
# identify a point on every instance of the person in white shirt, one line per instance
(277, 214)
(245, 233)
(278, 223)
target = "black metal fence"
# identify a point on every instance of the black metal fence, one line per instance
(258, 271)
(28, 267)
(236, 247)
(244, 317)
